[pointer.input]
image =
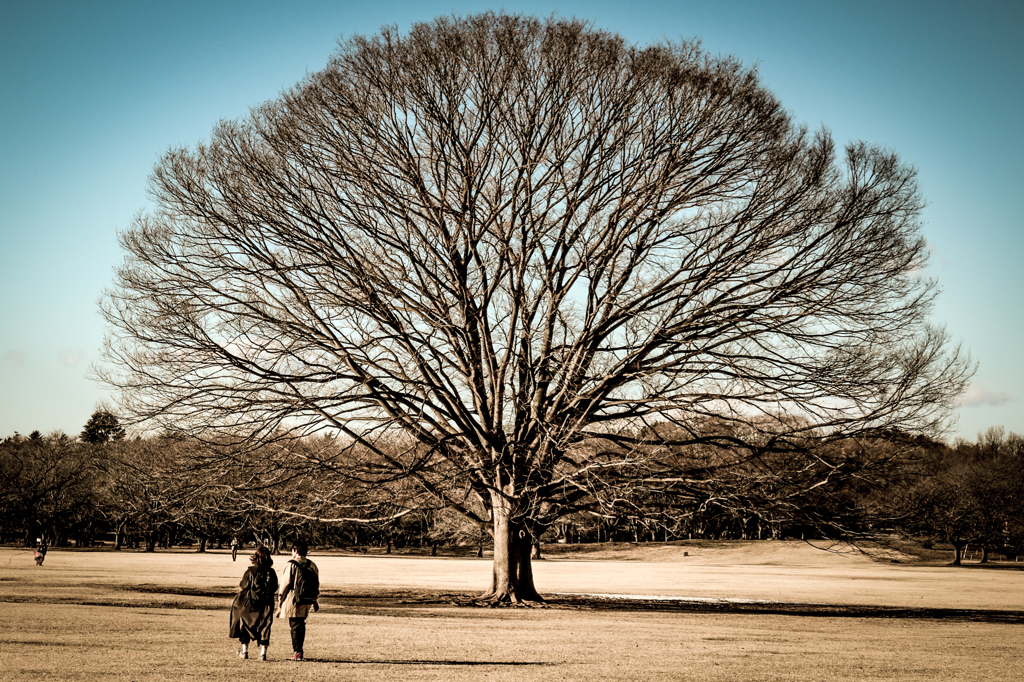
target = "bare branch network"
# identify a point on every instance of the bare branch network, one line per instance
(522, 244)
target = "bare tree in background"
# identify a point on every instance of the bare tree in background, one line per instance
(518, 242)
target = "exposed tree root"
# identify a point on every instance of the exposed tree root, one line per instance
(510, 598)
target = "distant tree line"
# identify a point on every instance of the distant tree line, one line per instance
(968, 494)
(162, 491)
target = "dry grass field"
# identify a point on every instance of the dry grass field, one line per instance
(722, 611)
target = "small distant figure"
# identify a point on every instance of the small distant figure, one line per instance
(40, 553)
(300, 591)
(252, 610)
(234, 548)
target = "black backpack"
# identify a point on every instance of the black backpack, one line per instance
(261, 588)
(305, 584)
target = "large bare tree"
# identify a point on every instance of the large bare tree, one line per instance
(516, 243)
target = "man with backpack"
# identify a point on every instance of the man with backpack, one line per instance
(300, 591)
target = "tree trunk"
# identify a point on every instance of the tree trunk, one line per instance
(512, 575)
(274, 540)
(958, 552)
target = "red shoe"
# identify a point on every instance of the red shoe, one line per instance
(296, 656)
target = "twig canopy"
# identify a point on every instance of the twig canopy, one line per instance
(518, 242)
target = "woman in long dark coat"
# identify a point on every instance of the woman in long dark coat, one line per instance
(252, 611)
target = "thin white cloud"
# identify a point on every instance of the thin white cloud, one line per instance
(979, 396)
(69, 357)
(16, 356)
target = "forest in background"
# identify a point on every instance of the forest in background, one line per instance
(159, 491)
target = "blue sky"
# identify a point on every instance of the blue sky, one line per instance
(92, 94)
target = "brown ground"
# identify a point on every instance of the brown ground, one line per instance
(725, 611)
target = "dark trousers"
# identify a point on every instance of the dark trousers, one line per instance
(298, 628)
(244, 638)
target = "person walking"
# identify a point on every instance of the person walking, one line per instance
(234, 548)
(40, 553)
(252, 610)
(300, 591)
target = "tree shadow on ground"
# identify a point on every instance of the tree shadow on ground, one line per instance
(790, 609)
(415, 601)
(348, 661)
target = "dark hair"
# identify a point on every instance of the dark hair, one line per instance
(300, 547)
(261, 558)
